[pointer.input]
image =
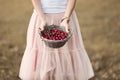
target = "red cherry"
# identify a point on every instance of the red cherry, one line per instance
(54, 34)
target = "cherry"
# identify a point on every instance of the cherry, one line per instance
(54, 34)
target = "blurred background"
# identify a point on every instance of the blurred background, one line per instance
(100, 27)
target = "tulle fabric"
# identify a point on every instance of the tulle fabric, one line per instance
(69, 62)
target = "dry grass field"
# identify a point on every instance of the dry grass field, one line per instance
(100, 28)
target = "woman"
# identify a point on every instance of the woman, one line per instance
(69, 62)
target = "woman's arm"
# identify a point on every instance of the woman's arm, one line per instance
(67, 14)
(38, 8)
(70, 8)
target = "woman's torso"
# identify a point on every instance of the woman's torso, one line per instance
(53, 6)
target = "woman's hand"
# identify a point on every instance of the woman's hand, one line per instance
(43, 23)
(65, 23)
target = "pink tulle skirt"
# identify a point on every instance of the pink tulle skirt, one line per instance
(69, 62)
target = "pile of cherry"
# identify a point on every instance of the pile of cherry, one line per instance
(54, 34)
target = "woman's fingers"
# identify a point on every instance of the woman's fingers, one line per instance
(65, 26)
(42, 25)
(41, 28)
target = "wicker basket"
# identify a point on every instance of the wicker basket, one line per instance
(55, 43)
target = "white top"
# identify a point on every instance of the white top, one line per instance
(53, 6)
